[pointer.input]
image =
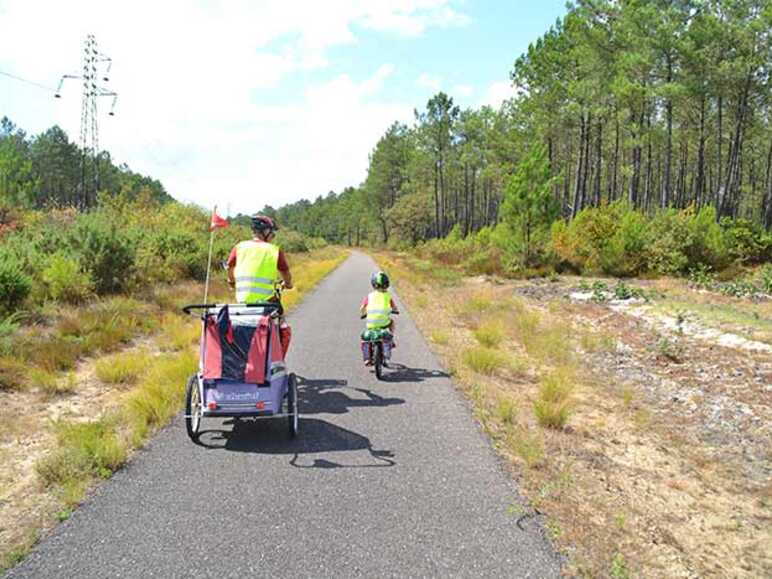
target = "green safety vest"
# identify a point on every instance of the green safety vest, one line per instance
(256, 271)
(378, 310)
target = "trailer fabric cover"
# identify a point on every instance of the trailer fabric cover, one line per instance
(240, 352)
(212, 351)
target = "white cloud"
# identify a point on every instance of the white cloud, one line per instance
(497, 93)
(426, 80)
(191, 77)
(463, 90)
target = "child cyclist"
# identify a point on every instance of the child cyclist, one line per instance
(378, 306)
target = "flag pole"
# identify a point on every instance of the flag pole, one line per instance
(209, 259)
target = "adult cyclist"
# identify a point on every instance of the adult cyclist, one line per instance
(255, 265)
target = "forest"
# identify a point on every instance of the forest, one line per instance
(46, 170)
(630, 119)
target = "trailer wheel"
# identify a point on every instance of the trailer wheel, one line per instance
(293, 418)
(193, 408)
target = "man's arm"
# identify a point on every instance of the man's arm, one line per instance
(287, 277)
(284, 270)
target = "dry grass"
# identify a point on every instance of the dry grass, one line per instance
(440, 337)
(159, 394)
(53, 353)
(490, 334)
(505, 410)
(484, 360)
(51, 383)
(84, 450)
(123, 368)
(527, 445)
(179, 333)
(13, 374)
(554, 404)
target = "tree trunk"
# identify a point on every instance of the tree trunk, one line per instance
(613, 189)
(699, 187)
(587, 164)
(731, 186)
(598, 154)
(767, 217)
(666, 193)
(647, 186)
(576, 207)
(466, 199)
(720, 163)
(437, 223)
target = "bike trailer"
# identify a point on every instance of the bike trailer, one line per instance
(242, 372)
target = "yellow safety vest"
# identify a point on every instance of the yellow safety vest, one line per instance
(256, 271)
(378, 310)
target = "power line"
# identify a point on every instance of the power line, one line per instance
(32, 82)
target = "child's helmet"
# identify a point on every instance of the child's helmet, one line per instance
(379, 280)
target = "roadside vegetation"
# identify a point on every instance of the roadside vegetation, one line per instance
(630, 412)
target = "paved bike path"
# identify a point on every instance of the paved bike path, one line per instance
(387, 478)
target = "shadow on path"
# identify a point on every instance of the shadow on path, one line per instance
(400, 373)
(328, 396)
(316, 436)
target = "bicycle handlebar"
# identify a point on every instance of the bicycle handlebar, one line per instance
(272, 305)
(362, 317)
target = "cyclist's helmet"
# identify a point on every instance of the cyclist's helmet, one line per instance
(263, 223)
(379, 280)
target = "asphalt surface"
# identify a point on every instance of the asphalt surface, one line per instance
(388, 478)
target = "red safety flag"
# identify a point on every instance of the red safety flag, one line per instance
(217, 221)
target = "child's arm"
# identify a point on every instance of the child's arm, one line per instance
(394, 309)
(363, 307)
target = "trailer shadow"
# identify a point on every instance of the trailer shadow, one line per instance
(316, 436)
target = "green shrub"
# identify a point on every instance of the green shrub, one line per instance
(701, 276)
(609, 239)
(747, 241)
(64, 281)
(765, 278)
(15, 285)
(685, 239)
(105, 251)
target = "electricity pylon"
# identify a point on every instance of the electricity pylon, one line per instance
(96, 69)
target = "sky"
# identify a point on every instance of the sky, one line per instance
(248, 103)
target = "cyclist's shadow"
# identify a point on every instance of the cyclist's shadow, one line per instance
(331, 396)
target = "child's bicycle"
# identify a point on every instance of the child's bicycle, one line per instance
(376, 346)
